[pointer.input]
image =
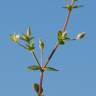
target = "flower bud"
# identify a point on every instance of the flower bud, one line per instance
(80, 35)
(27, 36)
(28, 33)
(31, 46)
(41, 44)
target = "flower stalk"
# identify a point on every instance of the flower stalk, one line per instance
(35, 57)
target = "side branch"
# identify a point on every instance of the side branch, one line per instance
(35, 57)
(57, 44)
(52, 53)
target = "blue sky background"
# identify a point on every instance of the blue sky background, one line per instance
(75, 60)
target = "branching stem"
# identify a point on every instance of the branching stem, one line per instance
(57, 44)
(52, 52)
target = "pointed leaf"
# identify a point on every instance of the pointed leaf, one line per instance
(50, 69)
(33, 67)
(77, 6)
(36, 88)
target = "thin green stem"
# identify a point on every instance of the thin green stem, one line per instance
(67, 20)
(42, 57)
(68, 17)
(51, 54)
(21, 45)
(35, 57)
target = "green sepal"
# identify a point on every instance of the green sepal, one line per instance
(69, 7)
(27, 36)
(36, 88)
(24, 37)
(50, 69)
(29, 32)
(34, 67)
(62, 37)
(30, 46)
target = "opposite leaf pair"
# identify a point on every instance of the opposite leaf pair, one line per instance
(36, 67)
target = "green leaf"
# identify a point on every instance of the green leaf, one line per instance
(34, 67)
(50, 69)
(77, 6)
(36, 88)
